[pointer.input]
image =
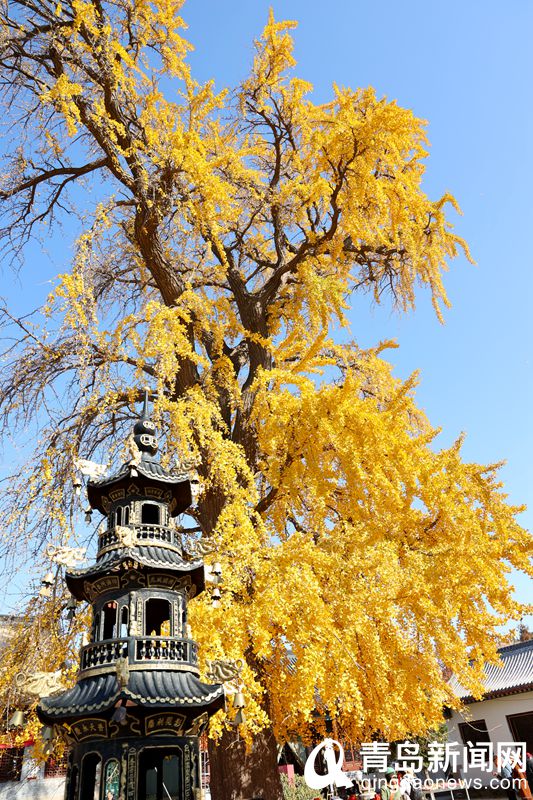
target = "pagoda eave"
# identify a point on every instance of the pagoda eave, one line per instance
(96, 695)
(147, 475)
(146, 566)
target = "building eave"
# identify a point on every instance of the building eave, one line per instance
(528, 687)
(512, 675)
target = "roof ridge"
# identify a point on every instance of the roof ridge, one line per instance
(525, 645)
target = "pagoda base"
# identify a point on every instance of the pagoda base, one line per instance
(158, 768)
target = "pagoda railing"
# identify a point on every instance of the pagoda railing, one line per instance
(143, 533)
(161, 649)
(101, 653)
(139, 649)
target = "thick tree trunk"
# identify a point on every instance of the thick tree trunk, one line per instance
(238, 775)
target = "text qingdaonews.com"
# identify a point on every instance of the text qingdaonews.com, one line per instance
(441, 784)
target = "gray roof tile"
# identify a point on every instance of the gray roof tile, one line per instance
(148, 555)
(515, 673)
(148, 467)
(151, 688)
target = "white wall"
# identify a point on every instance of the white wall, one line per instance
(494, 712)
(40, 789)
(32, 784)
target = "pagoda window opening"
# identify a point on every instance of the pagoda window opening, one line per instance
(157, 617)
(150, 514)
(111, 779)
(160, 774)
(110, 620)
(91, 771)
(96, 627)
(120, 516)
(182, 611)
(124, 622)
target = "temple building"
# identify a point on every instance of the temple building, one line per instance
(503, 714)
(135, 714)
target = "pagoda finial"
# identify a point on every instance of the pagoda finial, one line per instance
(144, 429)
(145, 414)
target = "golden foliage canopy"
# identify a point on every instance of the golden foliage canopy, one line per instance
(223, 236)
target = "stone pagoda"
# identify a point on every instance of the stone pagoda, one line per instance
(134, 716)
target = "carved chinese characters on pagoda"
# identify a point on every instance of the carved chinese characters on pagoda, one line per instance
(138, 708)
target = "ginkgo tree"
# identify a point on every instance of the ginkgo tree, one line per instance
(223, 235)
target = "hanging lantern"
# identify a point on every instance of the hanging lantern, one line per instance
(17, 720)
(71, 608)
(215, 597)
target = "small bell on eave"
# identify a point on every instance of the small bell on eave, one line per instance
(47, 733)
(240, 719)
(215, 597)
(71, 608)
(239, 703)
(17, 720)
(46, 585)
(119, 715)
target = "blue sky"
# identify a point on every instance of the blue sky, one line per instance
(466, 67)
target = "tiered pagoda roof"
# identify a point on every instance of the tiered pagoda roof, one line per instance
(127, 664)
